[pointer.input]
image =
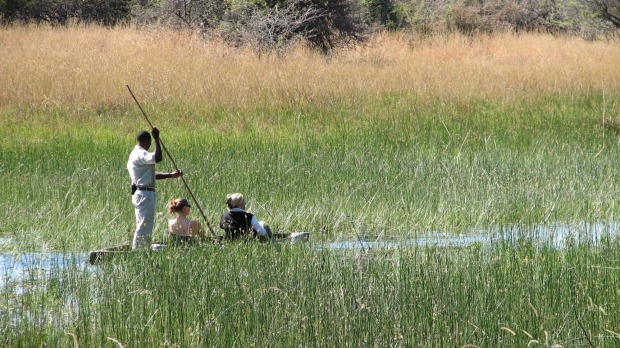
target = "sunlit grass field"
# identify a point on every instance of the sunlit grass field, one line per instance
(86, 68)
(508, 295)
(401, 137)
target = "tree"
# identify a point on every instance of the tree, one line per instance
(59, 12)
(197, 13)
(105, 12)
(323, 24)
(608, 10)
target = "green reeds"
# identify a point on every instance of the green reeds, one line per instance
(248, 294)
(436, 148)
(340, 174)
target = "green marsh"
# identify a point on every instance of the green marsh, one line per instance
(393, 166)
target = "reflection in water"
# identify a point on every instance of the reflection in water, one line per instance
(15, 267)
(554, 236)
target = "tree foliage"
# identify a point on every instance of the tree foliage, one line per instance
(266, 25)
(608, 10)
(60, 12)
(323, 25)
(269, 25)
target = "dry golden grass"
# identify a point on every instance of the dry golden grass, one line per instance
(83, 67)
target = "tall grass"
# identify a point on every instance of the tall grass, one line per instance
(442, 168)
(246, 294)
(401, 136)
(88, 67)
(397, 138)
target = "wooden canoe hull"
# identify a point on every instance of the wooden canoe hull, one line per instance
(98, 256)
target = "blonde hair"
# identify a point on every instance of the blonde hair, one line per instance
(233, 200)
(176, 205)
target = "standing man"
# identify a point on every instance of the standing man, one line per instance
(141, 167)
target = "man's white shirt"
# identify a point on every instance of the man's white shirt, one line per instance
(141, 167)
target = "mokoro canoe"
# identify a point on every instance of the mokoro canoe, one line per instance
(97, 256)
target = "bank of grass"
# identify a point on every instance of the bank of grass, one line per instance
(82, 68)
(510, 295)
(399, 138)
(387, 167)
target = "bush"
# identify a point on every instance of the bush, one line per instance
(607, 10)
(105, 12)
(323, 25)
(60, 12)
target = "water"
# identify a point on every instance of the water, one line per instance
(35, 266)
(438, 239)
(15, 267)
(555, 236)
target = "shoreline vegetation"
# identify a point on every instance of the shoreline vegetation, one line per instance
(87, 67)
(401, 137)
(391, 107)
(509, 295)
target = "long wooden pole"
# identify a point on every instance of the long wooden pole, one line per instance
(175, 164)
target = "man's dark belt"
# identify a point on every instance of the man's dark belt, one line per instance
(135, 188)
(140, 188)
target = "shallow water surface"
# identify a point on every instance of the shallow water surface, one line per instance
(554, 235)
(15, 267)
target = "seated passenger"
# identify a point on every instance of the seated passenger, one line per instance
(238, 223)
(181, 229)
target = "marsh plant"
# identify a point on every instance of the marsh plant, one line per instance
(447, 136)
(244, 294)
(398, 138)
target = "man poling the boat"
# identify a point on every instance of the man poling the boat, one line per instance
(161, 144)
(141, 167)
